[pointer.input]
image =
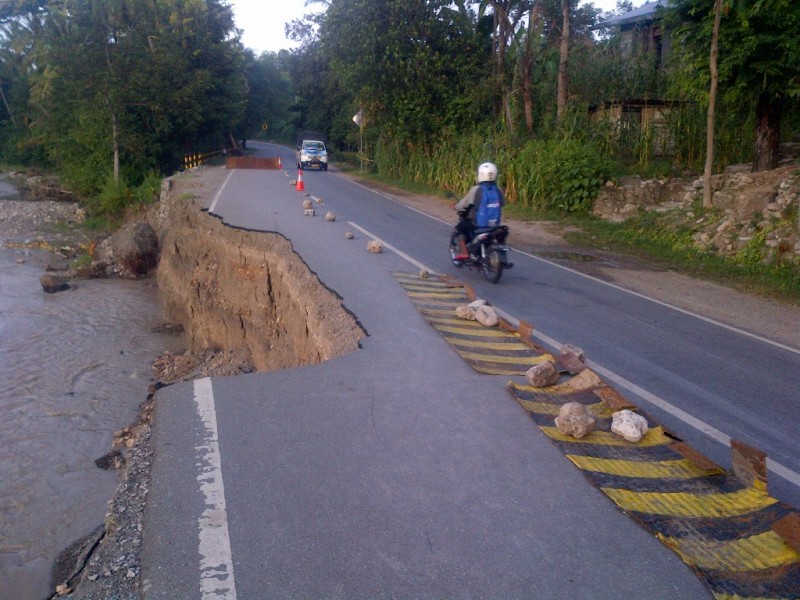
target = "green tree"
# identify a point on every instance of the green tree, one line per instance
(125, 86)
(759, 62)
(509, 18)
(412, 64)
(269, 94)
(22, 54)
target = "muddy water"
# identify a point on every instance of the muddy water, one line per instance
(74, 367)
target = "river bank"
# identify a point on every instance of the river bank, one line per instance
(76, 367)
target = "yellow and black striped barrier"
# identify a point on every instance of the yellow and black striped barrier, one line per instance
(744, 543)
(196, 159)
(494, 351)
(722, 528)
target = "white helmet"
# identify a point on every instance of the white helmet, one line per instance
(487, 172)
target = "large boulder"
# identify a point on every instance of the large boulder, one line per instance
(542, 375)
(486, 315)
(52, 283)
(465, 311)
(134, 249)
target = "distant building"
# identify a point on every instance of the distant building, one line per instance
(638, 120)
(641, 30)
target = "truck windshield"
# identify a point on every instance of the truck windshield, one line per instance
(314, 146)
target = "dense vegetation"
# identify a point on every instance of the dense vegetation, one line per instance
(113, 93)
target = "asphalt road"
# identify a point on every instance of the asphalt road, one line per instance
(398, 471)
(736, 385)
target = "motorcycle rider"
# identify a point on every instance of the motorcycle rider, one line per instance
(487, 196)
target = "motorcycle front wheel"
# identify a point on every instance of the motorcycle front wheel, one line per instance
(492, 265)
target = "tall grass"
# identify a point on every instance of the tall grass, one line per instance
(540, 175)
(448, 165)
(564, 170)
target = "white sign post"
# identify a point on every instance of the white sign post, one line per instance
(358, 119)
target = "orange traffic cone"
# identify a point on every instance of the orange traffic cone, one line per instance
(300, 187)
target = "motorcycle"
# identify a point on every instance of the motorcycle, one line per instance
(487, 250)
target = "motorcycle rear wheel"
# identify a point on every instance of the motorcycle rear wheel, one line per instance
(492, 266)
(454, 251)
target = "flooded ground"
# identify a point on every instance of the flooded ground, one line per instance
(74, 368)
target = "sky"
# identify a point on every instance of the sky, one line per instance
(262, 21)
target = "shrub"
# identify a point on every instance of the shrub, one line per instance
(113, 198)
(559, 174)
(149, 190)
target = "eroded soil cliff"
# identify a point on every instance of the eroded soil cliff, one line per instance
(245, 294)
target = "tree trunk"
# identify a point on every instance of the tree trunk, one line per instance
(8, 108)
(768, 132)
(527, 100)
(708, 200)
(507, 109)
(563, 62)
(502, 27)
(526, 64)
(115, 141)
(114, 123)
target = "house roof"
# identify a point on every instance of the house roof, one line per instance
(646, 12)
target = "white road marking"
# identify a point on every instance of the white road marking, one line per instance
(667, 305)
(376, 192)
(216, 563)
(401, 254)
(213, 205)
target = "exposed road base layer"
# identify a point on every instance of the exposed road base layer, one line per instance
(735, 536)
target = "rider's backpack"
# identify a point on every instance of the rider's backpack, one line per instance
(488, 214)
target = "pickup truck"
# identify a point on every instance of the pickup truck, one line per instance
(312, 153)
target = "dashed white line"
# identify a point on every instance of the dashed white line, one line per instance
(400, 253)
(216, 563)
